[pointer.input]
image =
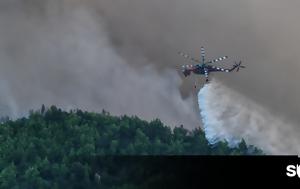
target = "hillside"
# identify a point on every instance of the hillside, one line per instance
(57, 149)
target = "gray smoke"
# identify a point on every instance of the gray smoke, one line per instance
(264, 35)
(121, 55)
(61, 54)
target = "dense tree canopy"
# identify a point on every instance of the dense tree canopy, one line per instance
(52, 148)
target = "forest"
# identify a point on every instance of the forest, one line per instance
(53, 148)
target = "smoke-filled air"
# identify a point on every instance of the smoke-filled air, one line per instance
(62, 54)
(121, 56)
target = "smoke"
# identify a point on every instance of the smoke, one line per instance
(228, 115)
(263, 34)
(60, 53)
(121, 56)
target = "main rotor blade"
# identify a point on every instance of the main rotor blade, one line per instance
(218, 59)
(203, 54)
(220, 69)
(188, 57)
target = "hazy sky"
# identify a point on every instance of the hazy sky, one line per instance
(61, 53)
(121, 55)
(264, 35)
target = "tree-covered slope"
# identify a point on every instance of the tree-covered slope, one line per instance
(53, 148)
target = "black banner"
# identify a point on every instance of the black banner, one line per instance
(197, 171)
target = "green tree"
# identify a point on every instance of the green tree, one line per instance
(8, 177)
(52, 148)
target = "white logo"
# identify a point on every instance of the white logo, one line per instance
(293, 170)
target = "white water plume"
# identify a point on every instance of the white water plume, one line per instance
(227, 115)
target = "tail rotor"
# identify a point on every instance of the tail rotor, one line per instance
(239, 65)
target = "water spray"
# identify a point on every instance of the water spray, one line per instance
(228, 115)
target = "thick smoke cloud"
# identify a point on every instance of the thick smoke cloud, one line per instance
(264, 35)
(121, 55)
(60, 53)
